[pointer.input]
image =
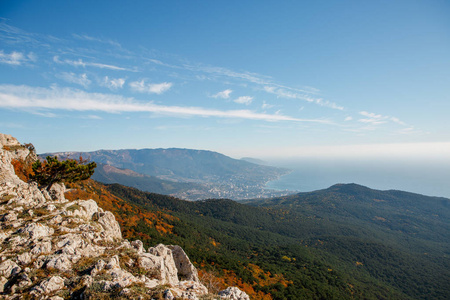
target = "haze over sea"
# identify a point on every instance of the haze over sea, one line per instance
(425, 177)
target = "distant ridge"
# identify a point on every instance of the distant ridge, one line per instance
(211, 174)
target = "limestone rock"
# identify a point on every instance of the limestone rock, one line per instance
(37, 230)
(138, 245)
(9, 268)
(233, 293)
(7, 173)
(12, 216)
(114, 263)
(57, 192)
(50, 285)
(61, 262)
(190, 289)
(24, 258)
(41, 248)
(110, 226)
(3, 282)
(185, 269)
(167, 269)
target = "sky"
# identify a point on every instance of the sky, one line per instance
(244, 78)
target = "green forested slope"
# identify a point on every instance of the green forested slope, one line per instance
(341, 243)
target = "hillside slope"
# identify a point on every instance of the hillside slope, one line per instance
(323, 256)
(109, 174)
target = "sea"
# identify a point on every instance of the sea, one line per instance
(426, 177)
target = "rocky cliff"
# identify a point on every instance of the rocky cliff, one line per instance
(52, 248)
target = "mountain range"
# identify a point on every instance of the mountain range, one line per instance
(185, 173)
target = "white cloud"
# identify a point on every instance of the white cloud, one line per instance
(55, 98)
(44, 114)
(16, 58)
(348, 119)
(266, 105)
(376, 119)
(244, 100)
(151, 88)
(113, 83)
(293, 94)
(80, 79)
(81, 63)
(223, 94)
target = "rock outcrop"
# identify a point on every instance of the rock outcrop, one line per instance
(51, 248)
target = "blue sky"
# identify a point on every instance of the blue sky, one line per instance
(245, 78)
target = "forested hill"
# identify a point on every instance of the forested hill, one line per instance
(406, 217)
(344, 242)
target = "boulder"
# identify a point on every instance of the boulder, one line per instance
(233, 293)
(167, 268)
(24, 258)
(110, 226)
(138, 245)
(50, 285)
(57, 191)
(9, 268)
(37, 230)
(41, 248)
(61, 262)
(185, 269)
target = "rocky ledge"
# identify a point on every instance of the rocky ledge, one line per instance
(52, 248)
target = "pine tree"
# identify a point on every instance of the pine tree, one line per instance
(52, 170)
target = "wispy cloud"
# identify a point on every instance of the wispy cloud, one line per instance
(112, 83)
(92, 117)
(80, 79)
(150, 88)
(26, 97)
(45, 114)
(16, 58)
(224, 72)
(81, 63)
(223, 94)
(244, 100)
(377, 119)
(95, 39)
(15, 36)
(266, 105)
(292, 94)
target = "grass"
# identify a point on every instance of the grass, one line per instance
(7, 197)
(13, 147)
(73, 207)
